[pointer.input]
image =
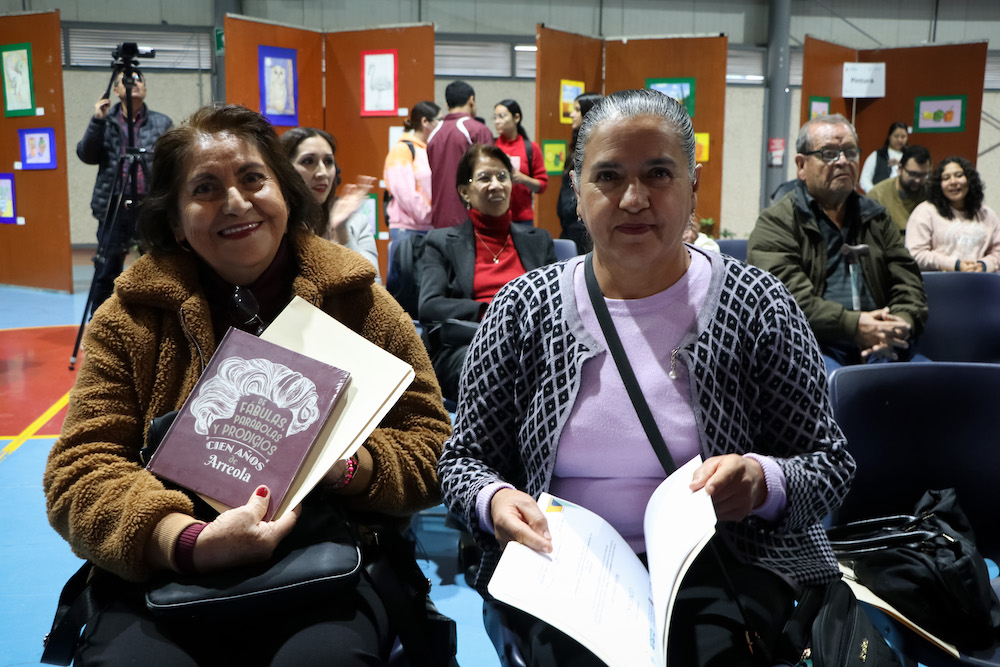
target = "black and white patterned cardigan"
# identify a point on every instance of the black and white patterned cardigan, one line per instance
(758, 384)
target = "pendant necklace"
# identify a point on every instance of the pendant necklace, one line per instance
(496, 255)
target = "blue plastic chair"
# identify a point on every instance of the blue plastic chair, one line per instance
(734, 248)
(914, 427)
(963, 321)
(565, 248)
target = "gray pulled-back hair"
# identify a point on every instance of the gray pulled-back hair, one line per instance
(624, 105)
(803, 144)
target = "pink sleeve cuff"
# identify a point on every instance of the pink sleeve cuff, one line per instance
(773, 506)
(483, 500)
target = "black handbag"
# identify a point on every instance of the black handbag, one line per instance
(321, 557)
(927, 566)
(830, 629)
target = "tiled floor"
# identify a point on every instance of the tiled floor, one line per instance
(37, 336)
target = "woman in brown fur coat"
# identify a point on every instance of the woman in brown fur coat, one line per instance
(225, 208)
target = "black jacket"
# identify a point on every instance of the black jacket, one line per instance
(102, 145)
(448, 263)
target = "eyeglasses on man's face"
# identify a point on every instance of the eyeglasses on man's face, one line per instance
(917, 175)
(486, 177)
(831, 154)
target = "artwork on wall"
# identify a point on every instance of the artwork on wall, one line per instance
(379, 85)
(682, 90)
(818, 106)
(701, 146)
(555, 156)
(279, 85)
(943, 113)
(568, 92)
(8, 204)
(38, 148)
(18, 80)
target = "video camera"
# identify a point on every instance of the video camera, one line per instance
(127, 52)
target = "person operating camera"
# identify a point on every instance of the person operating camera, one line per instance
(104, 144)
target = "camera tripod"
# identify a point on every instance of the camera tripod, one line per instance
(124, 194)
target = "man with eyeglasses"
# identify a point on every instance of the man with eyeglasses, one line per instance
(823, 231)
(104, 143)
(901, 195)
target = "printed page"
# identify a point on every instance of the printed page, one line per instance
(592, 586)
(677, 525)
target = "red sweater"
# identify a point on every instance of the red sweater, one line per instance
(497, 261)
(520, 195)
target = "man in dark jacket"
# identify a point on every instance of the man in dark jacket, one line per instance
(862, 304)
(104, 144)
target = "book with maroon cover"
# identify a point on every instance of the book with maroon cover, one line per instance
(250, 420)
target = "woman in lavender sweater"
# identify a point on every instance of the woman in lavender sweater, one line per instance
(729, 367)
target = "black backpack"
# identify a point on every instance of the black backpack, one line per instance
(386, 196)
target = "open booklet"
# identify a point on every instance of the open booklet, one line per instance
(594, 588)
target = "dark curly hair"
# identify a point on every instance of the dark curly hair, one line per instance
(974, 197)
(161, 212)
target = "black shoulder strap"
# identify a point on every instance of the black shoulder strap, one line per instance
(646, 418)
(625, 368)
(76, 606)
(413, 151)
(528, 150)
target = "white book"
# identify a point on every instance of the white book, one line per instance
(378, 380)
(594, 588)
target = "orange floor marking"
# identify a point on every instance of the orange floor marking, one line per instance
(34, 374)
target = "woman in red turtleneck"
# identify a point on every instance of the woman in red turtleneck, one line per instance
(528, 174)
(464, 266)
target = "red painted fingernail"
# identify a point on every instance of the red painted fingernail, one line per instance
(262, 491)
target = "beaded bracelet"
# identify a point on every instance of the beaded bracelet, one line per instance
(348, 476)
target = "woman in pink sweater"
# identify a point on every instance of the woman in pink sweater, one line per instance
(953, 230)
(407, 174)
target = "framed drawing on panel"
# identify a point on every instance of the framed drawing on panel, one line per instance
(8, 201)
(682, 90)
(38, 148)
(279, 85)
(379, 85)
(18, 81)
(942, 113)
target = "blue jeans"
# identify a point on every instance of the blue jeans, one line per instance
(848, 354)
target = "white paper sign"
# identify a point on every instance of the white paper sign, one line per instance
(864, 80)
